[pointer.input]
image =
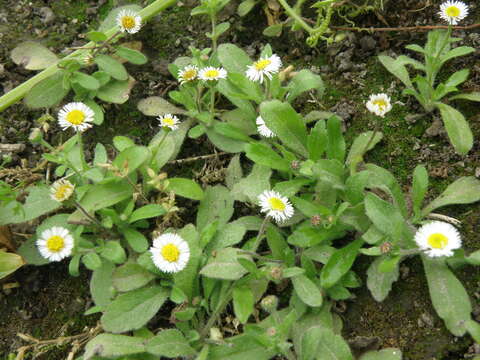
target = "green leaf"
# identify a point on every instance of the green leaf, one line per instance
(419, 187)
(114, 252)
(358, 148)
(465, 190)
(111, 66)
(225, 143)
(136, 240)
(243, 302)
(217, 204)
(104, 195)
(304, 81)
(33, 56)
(307, 291)
(229, 235)
(122, 142)
(336, 141)
(245, 7)
(339, 263)
(157, 106)
(86, 81)
(456, 52)
(224, 266)
(473, 329)
(317, 141)
(147, 212)
(332, 346)
(9, 262)
(170, 343)
(473, 96)
(185, 188)
(110, 345)
(286, 123)
(380, 283)
(233, 58)
(274, 30)
(457, 77)
(131, 55)
(130, 277)
(385, 216)
(47, 93)
(231, 131)
(132, 310)
(221, 28)
(242, 347)
(96, 36)
(92, 261)
(457, 128)
(384, 354)
(38, 203)
(396, 68)
(264, 155)
(449, 298)
(101, 284)
(131, 159)
(97, 109)
(248, 188)
(116, 92)
(234, 172)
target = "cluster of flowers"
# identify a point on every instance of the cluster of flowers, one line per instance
(170, 252)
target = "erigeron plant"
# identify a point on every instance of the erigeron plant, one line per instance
(426, 89)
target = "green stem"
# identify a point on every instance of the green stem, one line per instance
(20, 91)
(433, 71)
(82, 154)
(214, 316)
(214, 33)
(256, 244)
(295, 16)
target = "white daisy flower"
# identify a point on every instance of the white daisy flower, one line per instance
(76, 115)
(61, 190)
(55, 243)
(379, 104)
(188, 73)
(438, 238)
(453, 11)
(170, 253)
(275, 205)
(129, 21)
(169, 121)
(263, 128)
(212, 73)
(266, 66)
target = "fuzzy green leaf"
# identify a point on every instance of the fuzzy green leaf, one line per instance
(111, 66)
(339, 263)
(449, 297)
(186, 188)
(9, 262)
(380, 283)
(465, 190)
(307, 291)
(132, 310)
(33, 56)
(243, 301)
(47, 93)
(110, 345)
(130, 276)
(170, 343)
(457, 128)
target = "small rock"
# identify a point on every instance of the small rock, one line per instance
(47, 15)
(427, 319)
(368, 43)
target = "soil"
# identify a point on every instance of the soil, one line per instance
(48, 303)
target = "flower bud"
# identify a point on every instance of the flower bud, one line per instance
(276, 272)
(269, 303)
(385, 247)
(35, 136)
(316, 220)
(271, 331)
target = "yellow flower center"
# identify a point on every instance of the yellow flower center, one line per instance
(170, 252)
(168, 121)
(382, 104)
(437, 241)
(128, 22)
(55, 243)
(276, 204)
(452, 11)
(76, 117)
(212, 74)
(262, 64)
(189, 74)
(62, 191)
